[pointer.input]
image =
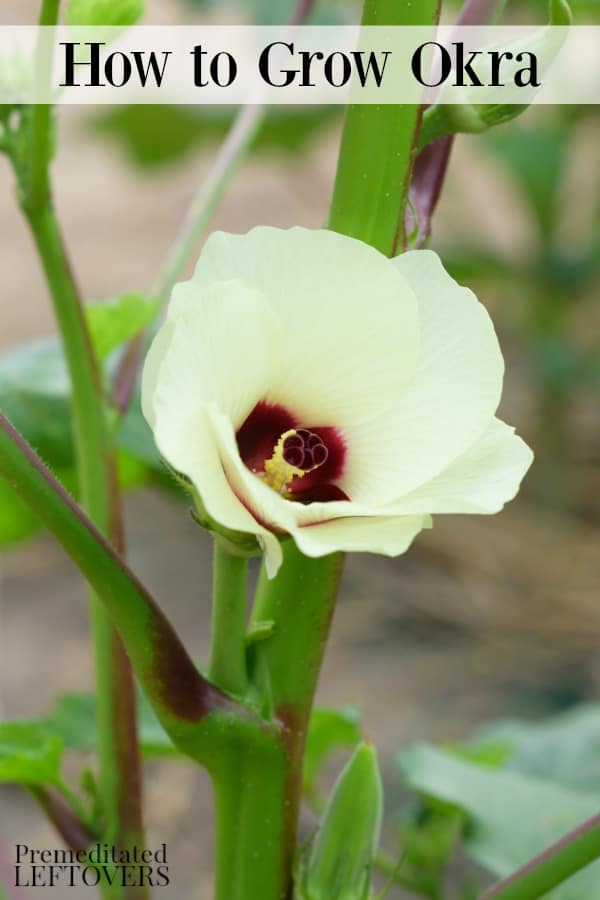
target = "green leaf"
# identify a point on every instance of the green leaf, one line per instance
(34, 394)
(73, 721)
(29, 754)
(113, 13)
(117, 321)
(564, 749)
(153, 135)
(135, 436)
(510, 816)
(329, 729)
(494, 751)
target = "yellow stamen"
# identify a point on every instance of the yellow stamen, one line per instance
(278, 472)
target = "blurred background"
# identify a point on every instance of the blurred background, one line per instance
(484, 618)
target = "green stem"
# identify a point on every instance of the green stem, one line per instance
(120, 777)
(70, 824)
(118, 751)
(373, 178)
(228, 638)
(299, 602)
(92, 443)
(378, 150)
(41, 113)
(228, 160)
(180, 696)
(251, 825)
(257, 787)
(552, 867)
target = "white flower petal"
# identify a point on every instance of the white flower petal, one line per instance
(221, 348)
(395, 355)
(481, 480)
(450, 400)
(202, 464)
(350, 332)
(388, 535)
(152, 367)
(317, 528)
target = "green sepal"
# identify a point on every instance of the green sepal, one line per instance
(339, 863)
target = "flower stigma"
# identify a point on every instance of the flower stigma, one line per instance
(297, 452)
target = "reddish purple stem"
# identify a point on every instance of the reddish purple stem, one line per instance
(432, 162)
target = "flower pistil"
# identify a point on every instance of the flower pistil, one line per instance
(297, 452)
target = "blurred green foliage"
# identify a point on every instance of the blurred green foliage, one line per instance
(510, 791)
(278, 12)
(544, 291)
(113, 323)
(35, 395)
(153, 135)
(29, 754)
(112, 13)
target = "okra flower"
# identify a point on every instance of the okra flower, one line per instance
(306, 385)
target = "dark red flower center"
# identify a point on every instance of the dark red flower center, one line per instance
(317, 453)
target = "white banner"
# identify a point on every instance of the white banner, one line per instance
(302, 65)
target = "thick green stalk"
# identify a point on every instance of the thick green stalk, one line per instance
(251, 824)
(378, 149)
(371, 189)
(299, 603)
(228, 637)
(257, 788)
(552, 867)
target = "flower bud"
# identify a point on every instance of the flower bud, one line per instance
(340, 861)
(474, 115)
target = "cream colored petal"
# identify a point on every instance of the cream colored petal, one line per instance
(481, 480)
(349, 320)
(222, 348)
(152, 366)
(387, 535)
(317, 528)
(192, 447)
(449, 402)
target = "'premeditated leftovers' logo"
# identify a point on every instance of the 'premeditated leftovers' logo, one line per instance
(99, 864)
